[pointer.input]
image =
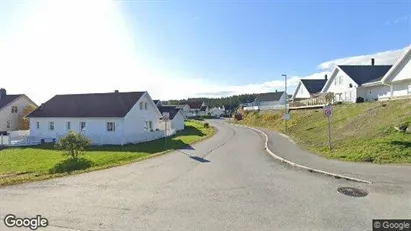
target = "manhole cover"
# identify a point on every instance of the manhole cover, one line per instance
(352, 192)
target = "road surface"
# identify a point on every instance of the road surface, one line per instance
(227, 182)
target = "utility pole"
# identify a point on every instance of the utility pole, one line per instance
(285, 103)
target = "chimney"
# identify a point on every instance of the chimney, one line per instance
(372, 62)
(326, 77)
(115, 91)
(2, 92)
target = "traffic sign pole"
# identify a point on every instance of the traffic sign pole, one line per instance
(328, 113)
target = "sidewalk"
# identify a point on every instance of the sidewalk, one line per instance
(287, 149)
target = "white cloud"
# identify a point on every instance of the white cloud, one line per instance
(57, 47)
(381, 58)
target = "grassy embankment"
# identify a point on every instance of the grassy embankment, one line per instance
(25, 164)
(360, 132)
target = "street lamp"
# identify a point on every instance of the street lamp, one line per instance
(285, 102)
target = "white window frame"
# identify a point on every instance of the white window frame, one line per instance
(141, 105)
(82, 128)
(341, 80)
(14, 109)
(150, 124)
(37, 125)
(68, 125)
(146, 125)
(111, 126)
(8, 125)
(145, 105)
(302, 90)
(51, 125)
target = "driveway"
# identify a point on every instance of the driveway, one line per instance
(227, 182)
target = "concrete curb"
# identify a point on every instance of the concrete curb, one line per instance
(338, 176)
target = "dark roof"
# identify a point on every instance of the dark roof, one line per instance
(270, 96)
(203, 108)
(6, 99)
(195, 105)
(88, 105)
(314, 85)
(364, 74)
(156, 101)
(180, 106)
(172, 109)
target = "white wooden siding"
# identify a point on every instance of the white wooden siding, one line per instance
(301, 92)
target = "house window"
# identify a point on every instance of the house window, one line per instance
(51, 126)
(150, 124)
(111, 126)
(68, 126)
(38, 125)
(8, 124)
(145, 105)
(14, 109)
(302, 90)
(141, 105)
(82, 126)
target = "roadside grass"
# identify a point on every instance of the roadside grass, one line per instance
(23, 164)
(360, 132)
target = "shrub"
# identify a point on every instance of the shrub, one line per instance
(73, 144)
(206, 125)
(360, 100)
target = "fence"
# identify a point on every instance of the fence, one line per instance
(15, 138)
(264, 108)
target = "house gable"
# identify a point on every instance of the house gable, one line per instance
(339, 82)
(8, 119)
(301, 91)
(401, 70)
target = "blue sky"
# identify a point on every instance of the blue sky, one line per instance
(246, 41)
(179, 49)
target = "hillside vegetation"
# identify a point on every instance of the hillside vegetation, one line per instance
(360, 132)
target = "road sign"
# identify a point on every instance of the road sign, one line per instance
(166, 116)
(286, 116)
(328, 111)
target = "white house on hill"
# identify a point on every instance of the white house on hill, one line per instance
(268, 101)
(11, 108)
(106, 118)
(349, 82)
(306, 88)
(398, 78)
(372, 82)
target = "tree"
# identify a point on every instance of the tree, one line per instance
(24, 123)
(73, 144)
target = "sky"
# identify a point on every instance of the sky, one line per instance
(179, 49)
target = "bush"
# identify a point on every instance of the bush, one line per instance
(206, 125)
(73, 144)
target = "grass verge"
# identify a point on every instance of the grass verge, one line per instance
(360, 132)
(41, 162)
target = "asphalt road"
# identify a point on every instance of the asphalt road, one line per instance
(227, 182)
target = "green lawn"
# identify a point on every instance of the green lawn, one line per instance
(44, 161)
(360, 132)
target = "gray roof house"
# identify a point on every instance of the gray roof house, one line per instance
(349, 83)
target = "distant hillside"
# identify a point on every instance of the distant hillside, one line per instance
(228, 102)
(360, 132)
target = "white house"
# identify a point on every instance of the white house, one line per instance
(267, 101)
(372, 82)
(306, 88)
(398, 78)
(217, 111)
(158, 102)
(195, 107)
(203, 111)
(176, 117)
(106, 118)
(349, 82)
(185, 109)
(11, 108)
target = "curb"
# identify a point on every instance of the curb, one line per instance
(338, 176)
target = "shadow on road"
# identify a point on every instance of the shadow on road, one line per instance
(197, 158)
